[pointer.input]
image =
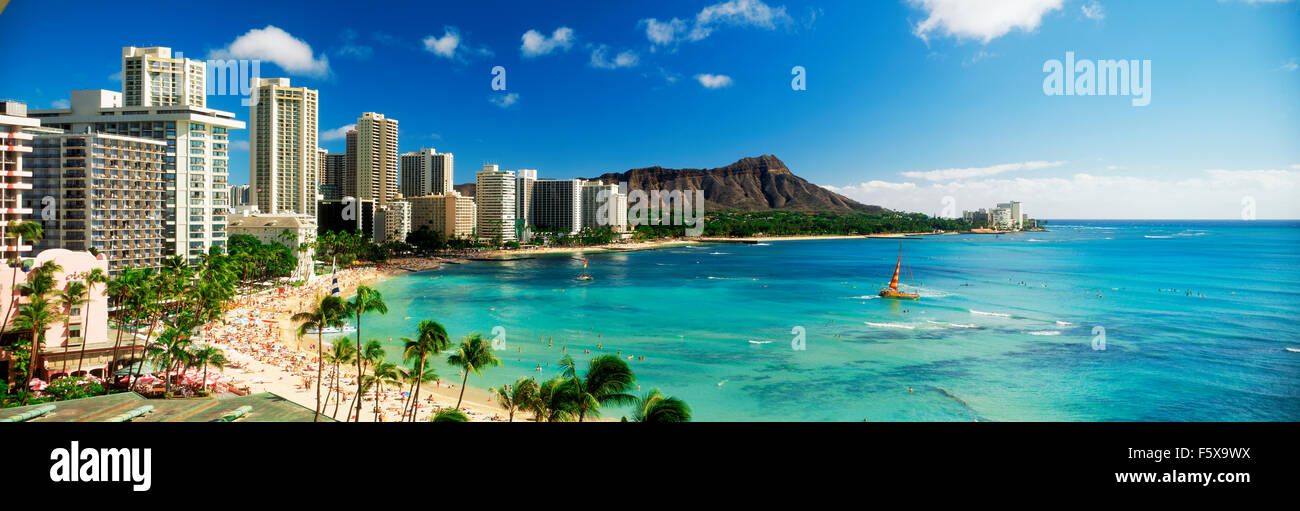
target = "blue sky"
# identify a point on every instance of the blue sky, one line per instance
(896, 90)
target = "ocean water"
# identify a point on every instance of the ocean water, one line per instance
(1195, 319)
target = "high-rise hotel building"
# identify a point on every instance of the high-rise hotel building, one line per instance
(195, 162)
(524, 179)
(603, 206)
(377, 158)
(426, 172)
(557, 205)
(152, 77)
(333, 169)
(494, 196)
(101, 191)
(13, 178)
(283, 155)
(451, 214)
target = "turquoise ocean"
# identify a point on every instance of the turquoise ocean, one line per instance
(1198, 320)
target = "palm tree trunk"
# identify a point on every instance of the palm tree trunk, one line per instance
(320, 368)
(112, 362)
(31, 365)
(419, 381)
(359, 348)
(82, 355)
(462, 388)
(147, 337)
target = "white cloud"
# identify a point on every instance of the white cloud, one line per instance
(452, 46)
(275, 45)
(352, 48)
(238, 145)
(1288, 66)
(625, 58)
(951, 174)
(536, 44)
(1208, 194)
(115, 77)
(338, 133)
(733, 13)
(1094, 11)
(984, 20)
(505, 100)
(59, 103)
(713, 81)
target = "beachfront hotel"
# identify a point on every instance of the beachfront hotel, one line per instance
(152, 77)
(14, 143)
(524, 179)
(103, 191)
(451, 214)
(283, 155)
(1006, 216)
(393, 221)
(426, 172)
(494, 196)
(82, 338)
(595, 195)
(195, 170)
(557, 205)
(376, 159)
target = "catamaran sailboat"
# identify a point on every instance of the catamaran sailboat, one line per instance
(585, 275)
(892, 291)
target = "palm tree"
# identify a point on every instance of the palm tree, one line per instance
(366, 300)
(96, 276)
(328, 313)
(518, 396)
(383, 373)
(369, 355)
(412, 406)
(552, 403)
(453, 415)
(208, 356)
(74, 296)
(32, 231)
(656, 407)
(473, 354)
(431, 339)
(342, 354)
(36, 315)
(607, 381)
(119, 290)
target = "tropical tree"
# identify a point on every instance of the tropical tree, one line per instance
(32, 231)
(656, 407)
(207, 356)
(36, 315)
(607, 381)
(383, 373)
(364, 301)
(553, 402)
(329, 312)
(518, 396)
(342, 353)
(473, 354)
(452, 415)
(430, 339)
(72, 297)
(96, 276)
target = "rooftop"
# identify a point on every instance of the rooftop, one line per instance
(265, 407)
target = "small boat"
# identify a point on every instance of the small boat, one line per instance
(585, 275)
(892, 291)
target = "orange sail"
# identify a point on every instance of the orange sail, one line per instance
(893, 283)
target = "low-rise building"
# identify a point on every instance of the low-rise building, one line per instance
(81, 338)
(451, 214)
(297, 232)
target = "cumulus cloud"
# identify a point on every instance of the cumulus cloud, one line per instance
(452, 46)
(950, 174)
(713, 81)
(733, 13)
(274, 45)
(625, 58)
(535, 44)
(338, 133)
(984, 20)
(505, 100)
(1204, 195)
